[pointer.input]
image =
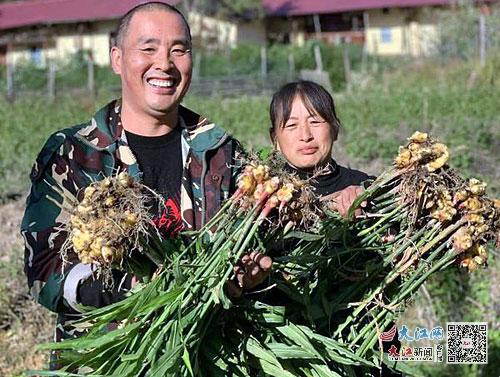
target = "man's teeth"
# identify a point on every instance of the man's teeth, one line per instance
(161, 83)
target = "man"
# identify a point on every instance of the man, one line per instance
(173, 150)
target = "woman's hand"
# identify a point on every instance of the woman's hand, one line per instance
(342, 200)
(252, 270)
(134, 281)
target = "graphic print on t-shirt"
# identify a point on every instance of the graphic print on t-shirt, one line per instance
(169, 223)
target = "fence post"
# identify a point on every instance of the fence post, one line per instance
(263, 61)
(317, 26)
(51, 80)
(364, 57)
(317, 58)
(482, 39)
(10, 82)
(347, 65)
(90, 74)
(291, 67)
(375, 52)
(197, 66)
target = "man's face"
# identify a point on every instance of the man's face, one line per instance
(305, 139)
(154, 62)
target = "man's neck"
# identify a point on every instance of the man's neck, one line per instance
(143, 124)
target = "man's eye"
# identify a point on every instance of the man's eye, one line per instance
(180, 51)
(148, 49)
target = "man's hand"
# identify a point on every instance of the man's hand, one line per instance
(251, 271)
(342, 200)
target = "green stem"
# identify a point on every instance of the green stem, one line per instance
(381, 220)
(412, 284)
(396, 272)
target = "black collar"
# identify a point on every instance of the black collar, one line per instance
(323, 181)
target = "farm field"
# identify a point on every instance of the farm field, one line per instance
(457, 103)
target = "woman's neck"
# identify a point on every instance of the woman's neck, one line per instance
(323, 169)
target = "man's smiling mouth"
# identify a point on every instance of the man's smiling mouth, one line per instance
(161, 83)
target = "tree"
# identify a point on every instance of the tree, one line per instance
(246, 9)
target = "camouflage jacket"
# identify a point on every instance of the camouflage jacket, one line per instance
(73, 157)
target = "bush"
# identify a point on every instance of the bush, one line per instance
(459, 32)
(28, 76)
(459, 297)
(245, 59)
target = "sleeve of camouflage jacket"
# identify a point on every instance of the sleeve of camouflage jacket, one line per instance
(52, 283)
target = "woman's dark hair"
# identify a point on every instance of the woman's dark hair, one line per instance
(316, 99)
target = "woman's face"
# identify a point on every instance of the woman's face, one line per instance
(305, 139)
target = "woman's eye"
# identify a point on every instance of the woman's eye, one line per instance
(316, 122)
(290, 125)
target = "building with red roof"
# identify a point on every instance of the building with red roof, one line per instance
(17, 14)
(386, 27)
(302, 8)
(39, 29)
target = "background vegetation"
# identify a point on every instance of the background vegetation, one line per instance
(456, 102)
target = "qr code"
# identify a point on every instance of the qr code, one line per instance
(467, 342)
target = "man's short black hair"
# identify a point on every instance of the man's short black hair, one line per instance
(124, 22)
(316, 99)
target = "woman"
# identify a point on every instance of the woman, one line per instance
(304, 128)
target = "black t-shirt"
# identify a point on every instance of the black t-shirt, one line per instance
(160, 160)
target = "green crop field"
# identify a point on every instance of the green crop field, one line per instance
(376, 117)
